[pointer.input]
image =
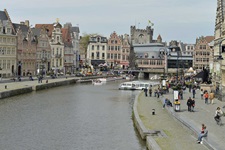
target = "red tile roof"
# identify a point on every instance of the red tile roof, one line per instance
(49, 28)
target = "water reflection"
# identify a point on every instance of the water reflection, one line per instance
(77, 117)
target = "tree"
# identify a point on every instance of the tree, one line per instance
(84, 41)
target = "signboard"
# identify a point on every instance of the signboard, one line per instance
(163, 82)
(175, 95)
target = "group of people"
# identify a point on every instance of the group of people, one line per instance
(207, 96)
(191, 104)
(149, 91)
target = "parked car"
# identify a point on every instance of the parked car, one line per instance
(79, 75)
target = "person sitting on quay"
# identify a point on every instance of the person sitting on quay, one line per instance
(202, 134)
(167, 103)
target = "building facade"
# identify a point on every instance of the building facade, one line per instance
(125, 52)
(97, 50)
(8, 46)
(114, 51)
(203, 53)
(26, 50)
(218, 73)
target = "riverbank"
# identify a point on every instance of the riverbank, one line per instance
(160, 130)
(8, 89)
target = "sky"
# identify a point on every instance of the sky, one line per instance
(181, 20)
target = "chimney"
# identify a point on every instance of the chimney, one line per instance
(27, 23)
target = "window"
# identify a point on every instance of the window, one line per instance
(115, 56)
(92, 47)
(97, 47)
(103, 47)
(118, 48)
(116, 41)
(108, 56)
(118, 56)
(92, 55)
(103, 55)
(111, 56)
(112, 47)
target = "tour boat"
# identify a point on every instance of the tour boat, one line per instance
(127, 86)
(97, 82)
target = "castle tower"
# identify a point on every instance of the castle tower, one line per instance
(141, 36)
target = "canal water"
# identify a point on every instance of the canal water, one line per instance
(74, 117)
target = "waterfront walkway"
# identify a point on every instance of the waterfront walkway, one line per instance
(182, 127)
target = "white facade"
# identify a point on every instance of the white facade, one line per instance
(57, 50)
(97, 50)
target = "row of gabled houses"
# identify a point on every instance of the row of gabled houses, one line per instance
(41, 50)
(54, 49)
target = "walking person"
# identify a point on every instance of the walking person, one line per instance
(150, 91)
(206, 96)
(146, 91)
(194, 92)
(189, 103)
(192, 105)
(201, 92)
(211, 97)
(218, 115)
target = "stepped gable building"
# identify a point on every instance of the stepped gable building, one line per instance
(8, 46)
(203, 55)
(114, 51)
(68, 51)
(97, 50)
(125, 51)
(74, 35)
(26, 49)
(43, 51)
(57, 46)
(75, 31)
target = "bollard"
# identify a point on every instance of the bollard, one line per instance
(5, 86)
(153, 111)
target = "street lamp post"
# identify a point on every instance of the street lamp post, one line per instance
(163, 53)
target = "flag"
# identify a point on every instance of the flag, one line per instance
(150, 23)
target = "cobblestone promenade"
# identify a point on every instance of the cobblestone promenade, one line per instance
(182, 135)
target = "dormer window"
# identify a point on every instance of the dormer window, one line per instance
(8, 31)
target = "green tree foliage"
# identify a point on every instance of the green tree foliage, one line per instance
(84, 40)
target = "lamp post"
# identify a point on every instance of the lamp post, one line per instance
(163, 53)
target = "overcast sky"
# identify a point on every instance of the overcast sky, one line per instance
(181, 20)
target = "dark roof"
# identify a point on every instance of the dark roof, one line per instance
(3, 16)
(23, 28)
(75, 29)
(36, 31)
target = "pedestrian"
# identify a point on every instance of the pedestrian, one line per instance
(211, 97)
(189, 103)
(192, 105)
(202, 134)
(146, 91)
(181, 94)
(206, 96)
(155, 92)
(218, 115)
(150, 91)
(201, 92)
(193, 92)
(189, 88)
(158, 93)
